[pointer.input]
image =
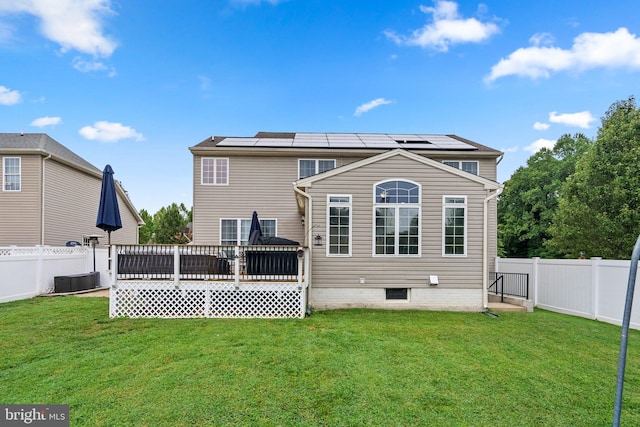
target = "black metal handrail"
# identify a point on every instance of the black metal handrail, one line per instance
(512, 284)
(195, 262)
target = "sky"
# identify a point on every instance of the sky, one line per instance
(134, 84)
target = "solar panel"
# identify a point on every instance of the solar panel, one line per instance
(354, 140)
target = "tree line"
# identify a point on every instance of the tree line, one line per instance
(170, 225)
(581, 198)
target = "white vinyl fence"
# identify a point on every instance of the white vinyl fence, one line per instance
(26, 272)
(592, 288)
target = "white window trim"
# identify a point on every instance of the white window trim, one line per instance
(396, 205)
(317, 164)
(214, 171)
(465, 161)
(349, 205)
(4, 174)
(466, 228)
(239, 228)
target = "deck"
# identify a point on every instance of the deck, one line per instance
(208, 281)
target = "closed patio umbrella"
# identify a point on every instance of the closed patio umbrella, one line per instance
(255, 231)
(108, 211)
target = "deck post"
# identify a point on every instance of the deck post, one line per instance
(176, 266)
(236, 267)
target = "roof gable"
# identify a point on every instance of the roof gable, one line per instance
(41, 142)
(307, 182)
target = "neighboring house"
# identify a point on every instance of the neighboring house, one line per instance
(50, 195)
(404, 221)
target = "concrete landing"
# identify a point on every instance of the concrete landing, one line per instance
(503, 306)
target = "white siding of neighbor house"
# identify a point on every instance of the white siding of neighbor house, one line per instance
(403, 272)
(71, 205)
(20, 210)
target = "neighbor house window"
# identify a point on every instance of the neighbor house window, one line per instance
(215, 171)
(467, 166)
(236, 231)
(339, 224)
(11, 173)
(397, 218)
(308, 167)
(454, 225)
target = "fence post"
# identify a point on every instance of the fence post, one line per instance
(40, 287)
(534, 271)
(595, 285)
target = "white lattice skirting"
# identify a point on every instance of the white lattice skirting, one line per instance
(210, 299)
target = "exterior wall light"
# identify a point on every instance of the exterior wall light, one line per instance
(317, 241)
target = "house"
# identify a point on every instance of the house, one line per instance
(400, 221)
(50, 195)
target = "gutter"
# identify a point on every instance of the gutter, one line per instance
(485, 248)
(42, 184)
(309, 222)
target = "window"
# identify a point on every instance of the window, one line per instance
(11, 173)
(339, 224)
(467, 166)
(215, 171)
(308, 167)
(397, 218)
(396, 293)
(454, 226)
(236, 231)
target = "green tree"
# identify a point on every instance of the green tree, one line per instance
(599, 213)
(145, 233)
(170, 224)
(530, 198)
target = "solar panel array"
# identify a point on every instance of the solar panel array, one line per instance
(353, 140)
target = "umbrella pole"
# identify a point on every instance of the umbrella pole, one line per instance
(109, 249)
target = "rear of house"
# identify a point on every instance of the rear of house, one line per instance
(392, 221)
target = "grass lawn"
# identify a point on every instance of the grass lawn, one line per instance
(348, 367)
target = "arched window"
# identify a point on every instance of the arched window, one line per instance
(397, 214)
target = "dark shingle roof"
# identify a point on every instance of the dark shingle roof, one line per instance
(42, 142)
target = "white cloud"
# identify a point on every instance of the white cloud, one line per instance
(540, 144)
(541, 39)
(541, 126)
(370, 106)
(582, 119)
(618, 49)
(46, 121)
(447, 28)
(9, 97)
(73, 24)
(509, 150)
(110, 132)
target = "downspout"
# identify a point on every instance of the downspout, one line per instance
(309, 222)
(485, 249)
(42, 183)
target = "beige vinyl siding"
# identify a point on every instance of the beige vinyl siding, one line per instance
(20, 210)
(72, 198)
(380, 272)
(261, 184)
